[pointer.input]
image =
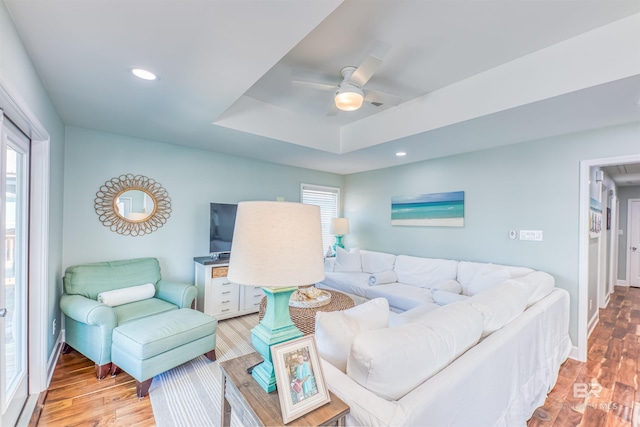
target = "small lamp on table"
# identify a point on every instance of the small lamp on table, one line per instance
(339, 227)
(278, 246)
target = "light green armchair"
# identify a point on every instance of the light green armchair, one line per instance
(89, 324)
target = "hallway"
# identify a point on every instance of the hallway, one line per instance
(604, 390)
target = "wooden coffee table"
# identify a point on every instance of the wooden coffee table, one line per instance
(305, 318)
(255, 407)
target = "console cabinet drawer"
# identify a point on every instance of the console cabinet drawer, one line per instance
(252, 297)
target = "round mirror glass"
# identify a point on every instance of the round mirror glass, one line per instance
(135, 205)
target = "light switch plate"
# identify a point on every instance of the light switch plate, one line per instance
(534, 235)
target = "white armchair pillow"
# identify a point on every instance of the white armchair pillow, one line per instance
(127, 295)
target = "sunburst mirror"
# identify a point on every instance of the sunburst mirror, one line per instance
(132, 205)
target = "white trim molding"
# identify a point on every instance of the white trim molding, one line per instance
(18, 110)
(621, 282)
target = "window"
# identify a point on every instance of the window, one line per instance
(328, 198)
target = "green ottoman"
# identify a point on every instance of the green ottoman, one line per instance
(152, 345)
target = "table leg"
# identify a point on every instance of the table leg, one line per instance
(225, 408)
(341, 421)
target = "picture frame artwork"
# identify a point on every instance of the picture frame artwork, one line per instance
(430, 210)
(299, 378)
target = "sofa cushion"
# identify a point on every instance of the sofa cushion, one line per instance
(452, 286)
(409, 316)
(351, 283)
(442, 297)
(347, 261)
(499, 305)
(538, 285)
(400, 296)
(376, 262)
(424, 272)
(393, 361)
(336, 330)
(127, 295)
(136, 310)
(467, 270)
(485, 278)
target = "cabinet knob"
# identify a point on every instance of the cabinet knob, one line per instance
(226, 309)
(225, 302)
(226, 292)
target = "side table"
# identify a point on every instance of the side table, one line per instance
(305, 318)
(255, 407)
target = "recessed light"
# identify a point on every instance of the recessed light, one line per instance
(143, 74)
(401, 154)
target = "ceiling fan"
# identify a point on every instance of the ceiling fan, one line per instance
(350, 93)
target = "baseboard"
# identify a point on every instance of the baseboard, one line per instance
(622, 283)
(574, 354)
(592, 324)
(53, 358)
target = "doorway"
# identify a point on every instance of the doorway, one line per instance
(633, 243)
(14, 285)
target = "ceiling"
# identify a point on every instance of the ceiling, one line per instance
(471, 74)
(626, 175)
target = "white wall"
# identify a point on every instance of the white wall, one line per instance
(527, 186)
(193, 178)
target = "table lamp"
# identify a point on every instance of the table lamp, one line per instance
(278, 246)
(339, 227)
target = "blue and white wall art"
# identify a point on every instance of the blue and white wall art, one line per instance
(432, 210)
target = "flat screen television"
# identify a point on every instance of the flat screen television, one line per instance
(222, 221)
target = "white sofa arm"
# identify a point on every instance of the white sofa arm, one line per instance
(366, 408)
(329, 263)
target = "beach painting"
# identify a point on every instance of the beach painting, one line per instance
(431, 210)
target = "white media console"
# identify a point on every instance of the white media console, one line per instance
(220, 298)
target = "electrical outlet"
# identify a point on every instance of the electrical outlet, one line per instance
(53, 327)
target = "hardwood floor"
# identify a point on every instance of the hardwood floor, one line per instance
(601, 392)
(604, 390)
(76, 398)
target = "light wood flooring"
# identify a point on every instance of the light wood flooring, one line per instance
(76, 398)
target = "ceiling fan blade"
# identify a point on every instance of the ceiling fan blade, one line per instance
(314, 85)
(377, 97)
(363, 73)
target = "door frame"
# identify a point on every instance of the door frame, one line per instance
(580, 350)
(628, 272)
(18, 110)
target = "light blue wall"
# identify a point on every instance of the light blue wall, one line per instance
(528, 186)
(624, 194)
(193, 178)
(17, 68)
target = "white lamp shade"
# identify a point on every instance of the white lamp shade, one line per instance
(339, 226)
(276, 244)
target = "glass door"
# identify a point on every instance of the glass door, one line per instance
(14, 214)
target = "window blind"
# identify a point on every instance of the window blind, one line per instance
(328, 199)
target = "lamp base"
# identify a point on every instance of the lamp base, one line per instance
(338, 243)
(275, 327)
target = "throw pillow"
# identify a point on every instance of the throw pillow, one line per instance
(126, 295)
(486, 278)
(383, 278)
(347, 262)
(376, 262)
(336, 330)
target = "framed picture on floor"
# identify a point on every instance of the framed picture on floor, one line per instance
(299, 378)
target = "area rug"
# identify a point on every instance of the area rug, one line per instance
(189, 395)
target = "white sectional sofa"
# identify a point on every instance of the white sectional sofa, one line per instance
(465, 344)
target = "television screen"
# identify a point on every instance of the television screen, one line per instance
(222, 221)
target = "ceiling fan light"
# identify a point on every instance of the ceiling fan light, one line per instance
(348, 100)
